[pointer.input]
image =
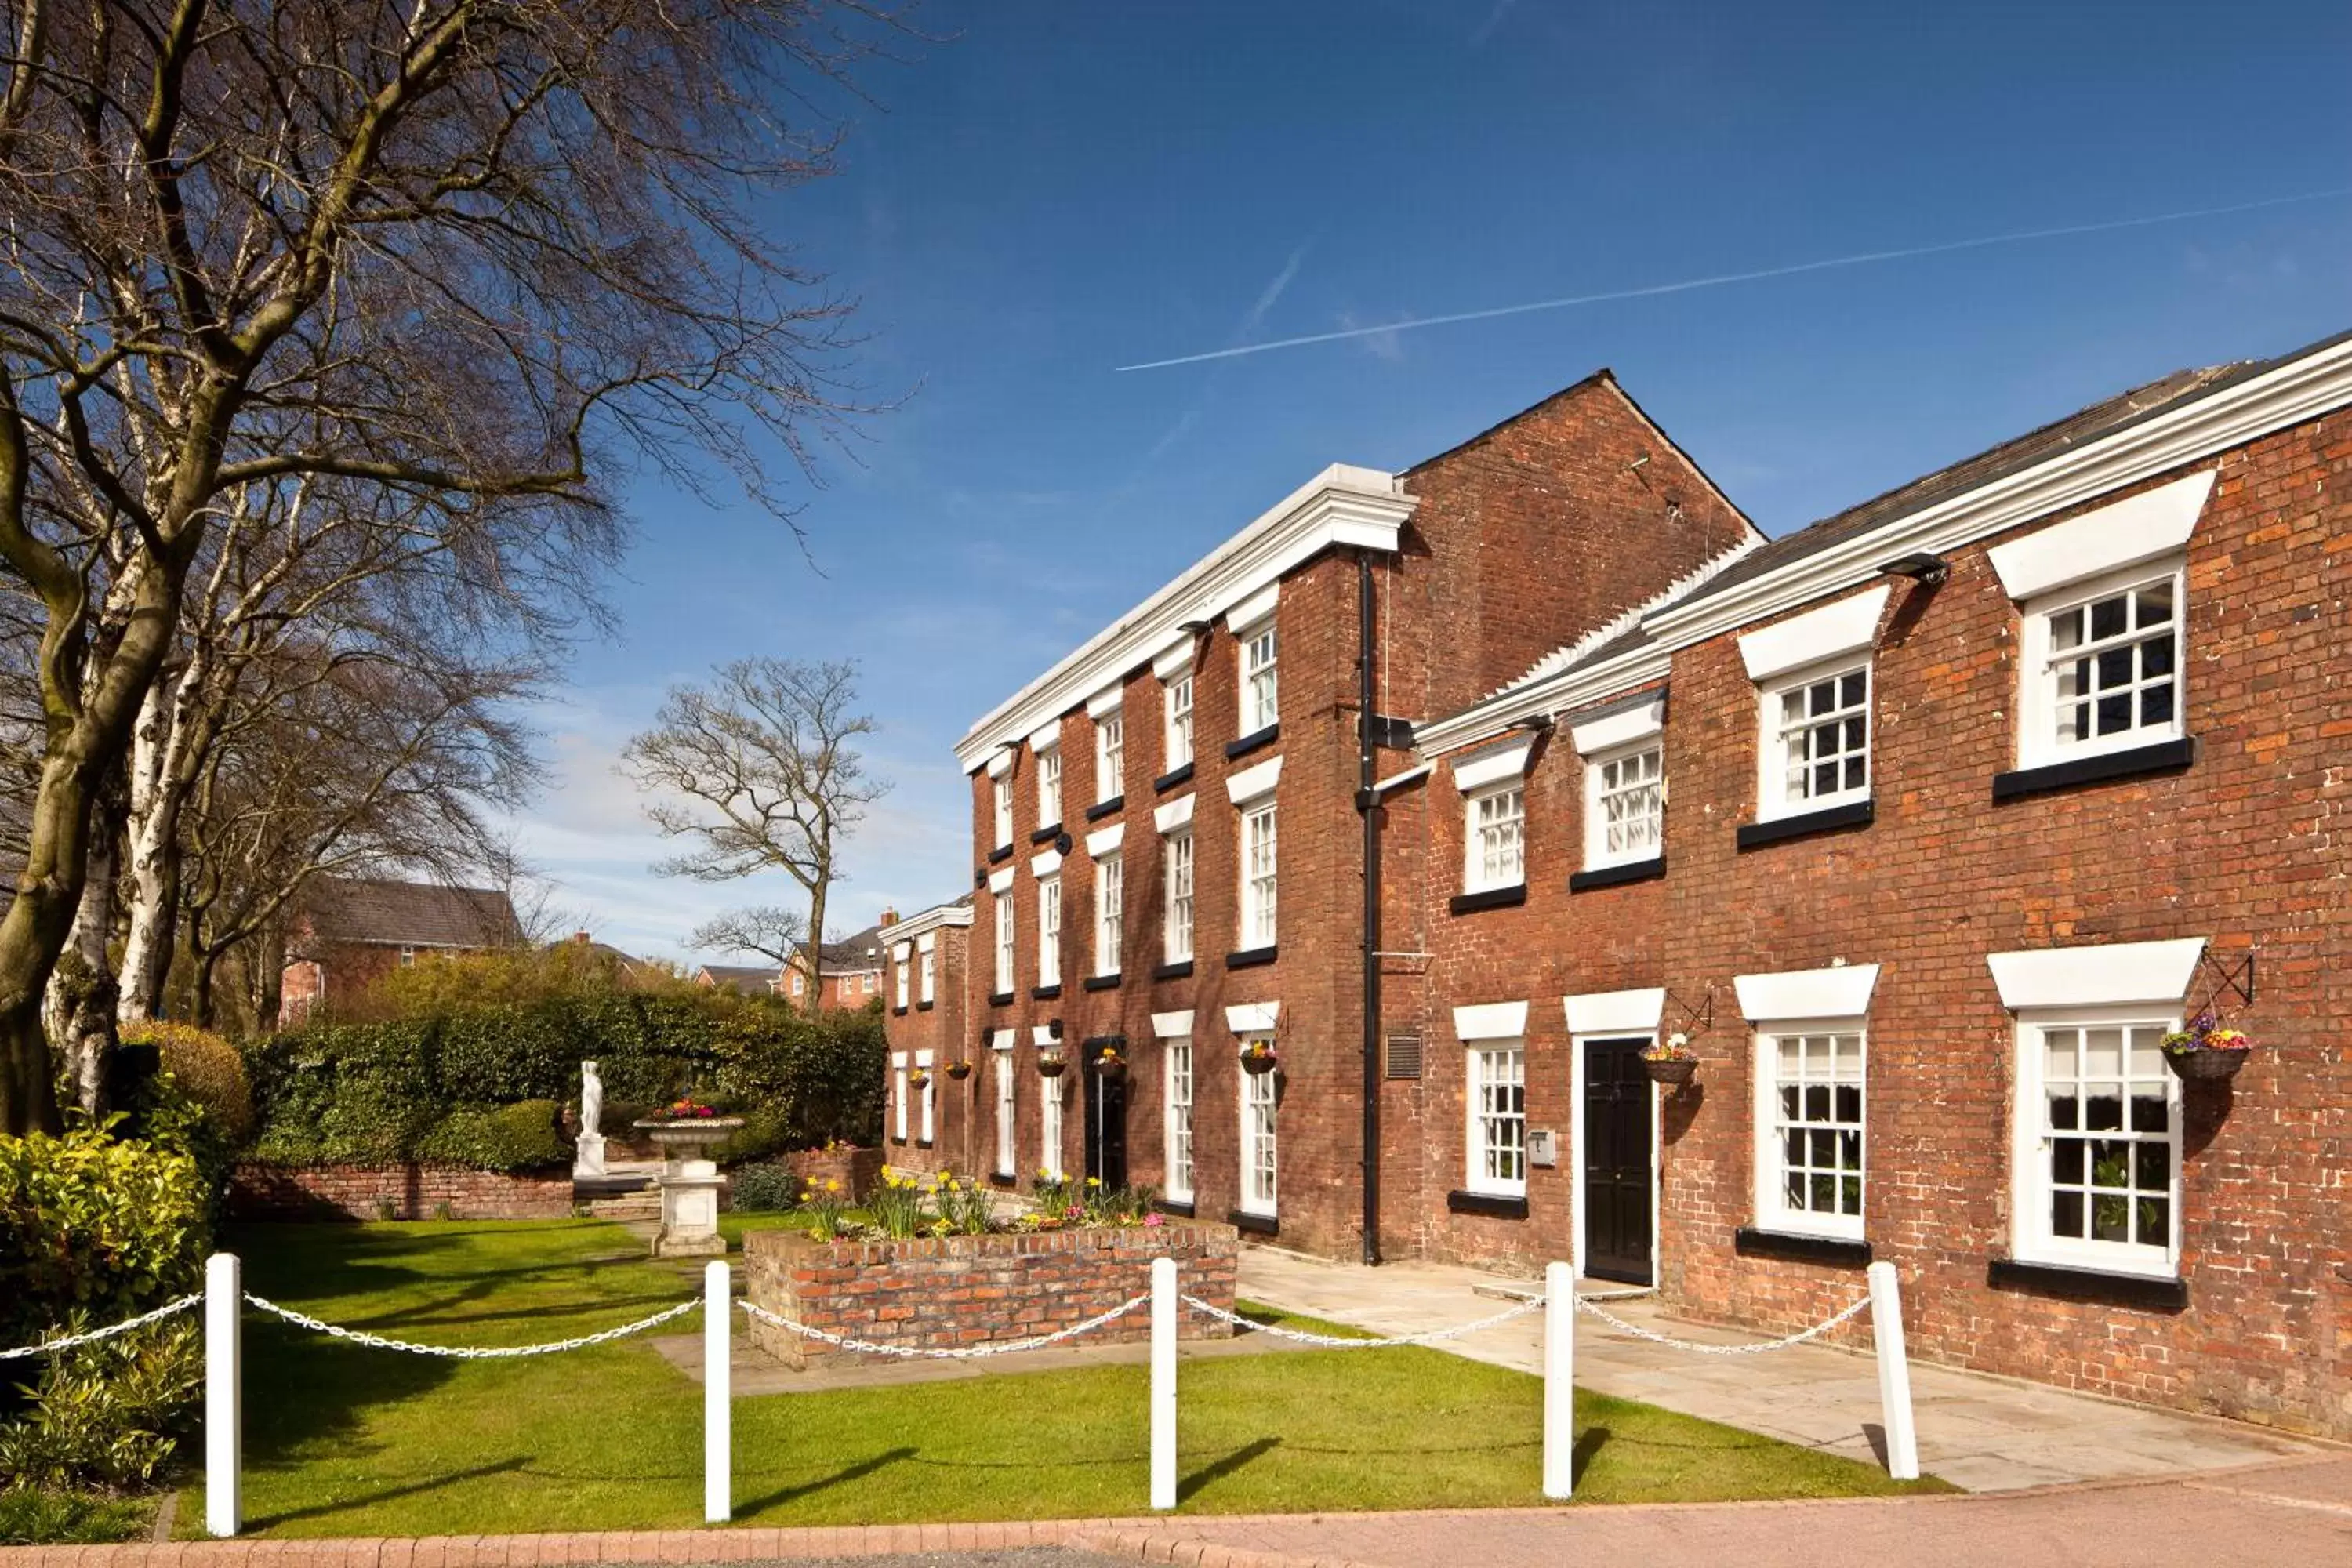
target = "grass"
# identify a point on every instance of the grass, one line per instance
(341, 1440)
(29, 1515)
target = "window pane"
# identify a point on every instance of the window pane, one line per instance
(2156, 706)
(2156, 604)
(2103, 1108)
(2150, 1113)
(2066, 1161)
(2067, 1213)
(1849, 1103)
(2107, 618)
(2154, 1216)
(2154, 1172)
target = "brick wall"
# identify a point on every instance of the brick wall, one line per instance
(959, 1127)
(951, 1292)
(858, 1170)
(412, 1190)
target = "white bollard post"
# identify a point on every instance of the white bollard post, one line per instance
(1560, 1381)
(224, 1418)
(1894, 1372)
(718, 1405)
(1164, 1307)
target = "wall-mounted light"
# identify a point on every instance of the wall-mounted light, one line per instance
(1535, 725)
(1194, 628)
(1921, 567)
(1054, 1029)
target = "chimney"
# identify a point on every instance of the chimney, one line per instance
(581, 937)
(889, 917)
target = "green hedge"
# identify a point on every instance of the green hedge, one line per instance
(483, 1086)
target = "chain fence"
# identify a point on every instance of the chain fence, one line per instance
(75, 1341)
(468, 1352)
(1588, 1305)
(1335, 1342)
(965, 1352)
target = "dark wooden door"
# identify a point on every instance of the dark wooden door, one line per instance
(1618, 1184)
(1106, 1129)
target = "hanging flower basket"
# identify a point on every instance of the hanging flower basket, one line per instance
(918, 1078)
(959, 1070)
(1260, 1058)
(2205, 1051)
(1050, 1064)
(1110, 1064)
(1672, 1064)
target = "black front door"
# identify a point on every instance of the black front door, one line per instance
(1618, 1182)
(1106, 1129)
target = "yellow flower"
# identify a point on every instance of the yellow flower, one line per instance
(833, 1186)
(1094, 1180)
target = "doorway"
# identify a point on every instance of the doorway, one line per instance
(1615, 1162)
(1106, 1128)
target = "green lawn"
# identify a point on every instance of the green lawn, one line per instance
(343, 1440)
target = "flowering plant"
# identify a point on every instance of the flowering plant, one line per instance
(1675, 1047)
(2207, 1032)
(824, 1204)
(683, 1111)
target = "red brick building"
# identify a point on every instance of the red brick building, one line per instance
(1923, 825)
(353, 930)
(931, 1119)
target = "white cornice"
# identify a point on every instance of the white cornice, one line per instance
(1343, 505)
(930, 919)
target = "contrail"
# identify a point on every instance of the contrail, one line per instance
(1684, 286)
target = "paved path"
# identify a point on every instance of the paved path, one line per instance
(1983, 1434)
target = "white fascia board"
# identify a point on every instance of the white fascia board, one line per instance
(1246, 1018)
(928, 942)
(1343, 506)
(1003, 1040)
(2144, 527)
(1174, 659)
(1398, 780)
(1169, 816)
(1045, 740)
(1571, 688)
(2113, 974)
(1491, 1021)
(1171, 1025)
(1251, 784)
(1493, 767)
(1615, 1012)
(1842, 991)
(1000, 879)
(934, 919)
(1621, 728)
(1815, 636)
(1246, 613)
(1041, 1034)
(1104, 841)
(1045, 864)
(1106, 702)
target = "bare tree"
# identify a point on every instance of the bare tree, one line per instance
(466, 251)
(767, 930)
(760, 773)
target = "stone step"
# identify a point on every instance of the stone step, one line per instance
(646, 1205)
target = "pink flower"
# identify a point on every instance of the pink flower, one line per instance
(1155, 1219)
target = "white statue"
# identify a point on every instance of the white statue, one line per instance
(588, 1148)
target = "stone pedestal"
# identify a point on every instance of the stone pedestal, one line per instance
(588, 1156)
(690, 1185)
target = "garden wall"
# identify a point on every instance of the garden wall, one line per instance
(949, 1293)
(414, 1191)
(859, 1171)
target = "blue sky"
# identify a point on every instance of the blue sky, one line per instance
(1056, 189)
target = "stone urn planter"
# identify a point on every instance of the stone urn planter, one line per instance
(690, 1182)
(1673, 1072)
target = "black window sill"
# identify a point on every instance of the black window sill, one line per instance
(1171, 778)
(925, 1007)
(1102, 983)
(1115, 805)
(1000, 854)
(2164, 757)
(1647, 870)
(1046, 834)
(924, 1144)
(2073, 1283)
(1487, 1203)
(1176, 1207)
(999, 1179)
(1250, 958)
(1001, 999)
(1756, 835)
(1256, 1224)
(1750, 1242)
(1509, 897)
(1173, 970)
(1045, 993)
(1253, 741)
(897, 1012)
(900, 1142)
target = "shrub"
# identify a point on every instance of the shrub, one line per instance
(519, 1137)
(766, 1188)
(107, 1414)
(93, 1224)
(207, 1069)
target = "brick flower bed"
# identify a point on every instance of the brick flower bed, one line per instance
(947, 1292)
(413, 1191)
(859, 1171)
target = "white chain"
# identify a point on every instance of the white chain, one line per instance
(462, 1353)
(1334, 1341)
(1639, 1332)
(969, 1353)
(75, 1341)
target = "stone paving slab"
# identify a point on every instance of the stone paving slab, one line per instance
(1978, 1432)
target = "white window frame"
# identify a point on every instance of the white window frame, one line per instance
(1261, 658)
(903, 967)
(1111, 756)
(407, 957)
(1773, 799)
(1179, 1088)
(1771, 1208)
(1001, 787)
(1006, 968)
(1261, 879)
(1597, 793)
(1505, 836)
(1176, 922)
(927, 978)
(1049, 787)
(2039, 704)
(1049, 1126)
(898, 1094)
(1110, 911)
(2032, 1178)
(1259, 1093)
(930, 1123)
(1049, 929)
(1178, 703)
(1482, 1059)
(1008, 1153)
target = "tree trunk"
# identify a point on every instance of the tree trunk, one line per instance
(78, 1004)
(200, 1000)
(159, 748)
(817, 891)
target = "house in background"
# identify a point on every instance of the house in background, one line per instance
(353, 930)
(750, 979)
(934, 1122)
(849, 969)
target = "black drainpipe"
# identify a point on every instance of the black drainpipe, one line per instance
(1368, 804)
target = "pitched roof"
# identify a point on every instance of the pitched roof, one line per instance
(751, 979)
(855, 953)
(408, 914)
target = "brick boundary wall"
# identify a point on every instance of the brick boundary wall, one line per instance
(859, 1171)
(414, 1191)
(949, 1292)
